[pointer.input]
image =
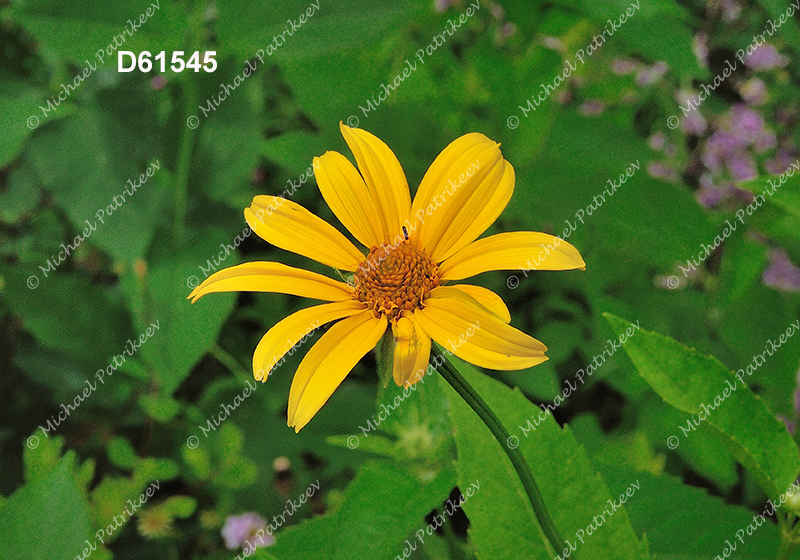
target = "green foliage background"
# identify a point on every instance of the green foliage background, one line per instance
(138, 266)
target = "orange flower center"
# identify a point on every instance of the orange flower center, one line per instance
(395, 279)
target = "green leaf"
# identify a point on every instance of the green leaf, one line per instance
(779, 191)
(185, 330)
(383, 506)
(685, 523)
(91, 325)
(704, 388)
(46, 519)
(79, 30)
(109, 181)
(499, 512)
(18, 109)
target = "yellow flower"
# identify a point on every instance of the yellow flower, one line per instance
(416, 251)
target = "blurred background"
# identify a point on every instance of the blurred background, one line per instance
(120, 192)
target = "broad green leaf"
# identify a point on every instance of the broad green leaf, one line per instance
(79, 30)
(102, 181)
(502, 522)
(779, 191)
(18, 109)
(339, 27)
(384, 506)
(185, 330)
(686, 523)
(229, 137)
(46, 519)
(704, 388)
(91, 323)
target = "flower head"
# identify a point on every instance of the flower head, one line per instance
(416, 250)
(246, 531)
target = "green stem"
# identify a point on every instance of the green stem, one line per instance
(474, 400)
(187, 137)
(229, 362)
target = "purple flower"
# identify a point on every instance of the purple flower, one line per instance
(742, 166)
(694, 124)
(621, 66)
(710, 197)
(745, 123)
(765, 57)
(592, 107)
(700, 48)
(781, 274)
(720, 147)
(649, 76)
(764, 141)
(780, 163)
(730, 10)
(441, 5)
(243, 531)
(660, 171)
(754, 91)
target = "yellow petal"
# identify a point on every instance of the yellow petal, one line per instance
(474, 220)
(263, 276)
(455, 321)
(493, 303)
(328, 362)
(289, 226)
(288, 332)
(458, 188)
(383, 176)
(524, 250)
(347, 195)
(412, 350)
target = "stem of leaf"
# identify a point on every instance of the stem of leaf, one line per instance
(229, 362)
(490, 419)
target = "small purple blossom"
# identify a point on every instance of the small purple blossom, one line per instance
(781, 162)
(592, 107)
(754, 91)
(765, 57)
(243, 531)
(649, 76)
(694, 124)
(781, 273)
(700, 48)
(742, 166)
(745, 123)
(660, 171)
(621, 66)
